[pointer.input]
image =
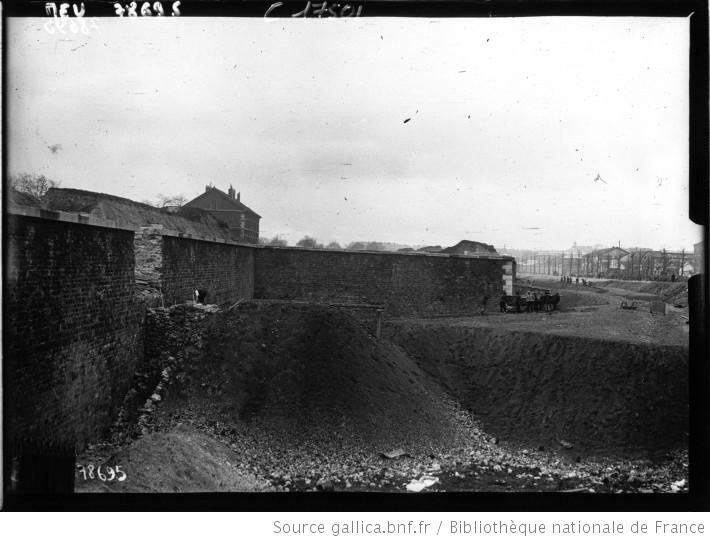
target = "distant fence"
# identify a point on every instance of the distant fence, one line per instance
(635, 265)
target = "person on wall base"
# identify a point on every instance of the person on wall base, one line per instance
(200, 296)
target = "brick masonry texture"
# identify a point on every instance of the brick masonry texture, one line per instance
(407, 285)
(225, 271)
(74, 329)
(75, 324)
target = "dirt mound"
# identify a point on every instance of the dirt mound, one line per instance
(602, 396)
(182, 460)
(570, 300)
(307, 374)
(674, 293)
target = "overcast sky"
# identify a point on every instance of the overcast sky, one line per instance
(512, 120)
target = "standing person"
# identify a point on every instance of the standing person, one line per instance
(577, 281)
(503, 304)
(529, 301)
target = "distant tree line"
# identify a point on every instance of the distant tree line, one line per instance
(310, 242)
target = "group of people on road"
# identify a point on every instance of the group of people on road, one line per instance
(568, 280)
(532, 301)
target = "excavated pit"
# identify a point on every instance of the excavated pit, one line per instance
(305, 374)
(300, 397)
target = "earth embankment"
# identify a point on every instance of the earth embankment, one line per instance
(537, 388)
(308, 374)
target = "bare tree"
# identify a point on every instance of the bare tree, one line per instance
(276, 242)
(32, 184)
(162, 200)
(664, 264)
(308, 242)
(356, 245)
(682, 263)
(374, 246)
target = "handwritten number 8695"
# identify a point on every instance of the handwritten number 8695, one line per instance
(89, 472)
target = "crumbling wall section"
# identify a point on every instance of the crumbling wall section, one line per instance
(148, 246)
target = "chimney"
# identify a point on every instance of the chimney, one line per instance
(238, 194)
(207, 188)
(230, 192)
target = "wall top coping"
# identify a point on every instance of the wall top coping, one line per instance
(91, 220)
(394, 253)
(157, 229)
(63, 216)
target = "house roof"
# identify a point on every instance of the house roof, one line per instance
(236, 205)
(22, 198)
(470, 246)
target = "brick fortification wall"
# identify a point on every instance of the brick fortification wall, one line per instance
(406, 284)
(224, 270)
(74, 329)
(74, 324)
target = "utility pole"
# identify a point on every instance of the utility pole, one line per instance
(682, 261)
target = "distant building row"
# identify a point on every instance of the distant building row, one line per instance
(615, 263)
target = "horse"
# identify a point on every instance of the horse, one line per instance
(549, 301)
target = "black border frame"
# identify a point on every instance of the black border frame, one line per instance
(698, 497)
